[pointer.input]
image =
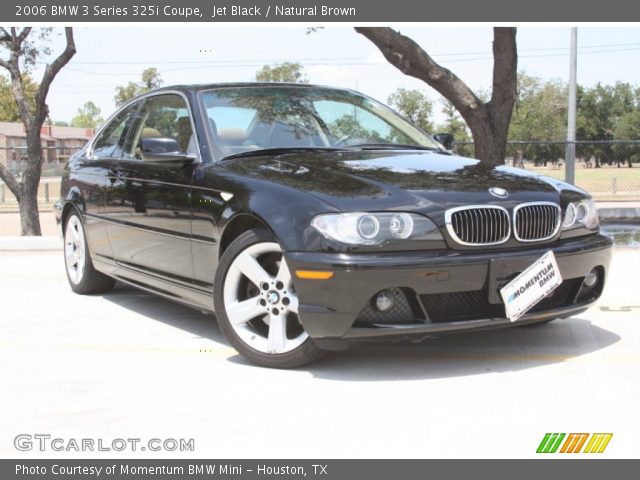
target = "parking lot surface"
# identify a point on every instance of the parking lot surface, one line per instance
(130, 365)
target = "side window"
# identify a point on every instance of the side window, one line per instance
(166, 118)
(111, 143)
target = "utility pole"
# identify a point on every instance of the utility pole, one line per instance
(570, 152)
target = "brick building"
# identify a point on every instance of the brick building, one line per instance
(58, 143)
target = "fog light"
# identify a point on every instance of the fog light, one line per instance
(384, 301)
(591, 279)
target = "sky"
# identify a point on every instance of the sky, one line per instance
(337, 56)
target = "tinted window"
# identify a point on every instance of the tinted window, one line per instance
(112, 140)
(166, 116)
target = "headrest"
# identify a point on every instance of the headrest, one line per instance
(150, 133)
(232, 135)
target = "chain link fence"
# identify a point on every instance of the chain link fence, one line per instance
(609, 170)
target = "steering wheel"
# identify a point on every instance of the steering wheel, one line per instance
(341, 140)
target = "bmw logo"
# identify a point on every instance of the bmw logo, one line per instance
(498, 192)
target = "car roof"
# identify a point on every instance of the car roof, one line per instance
(209, 86)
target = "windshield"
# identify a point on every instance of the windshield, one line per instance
(246, 119)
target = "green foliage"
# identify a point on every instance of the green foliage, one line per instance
(414, 105)
(150, 79)
(88, 116)
(455, 125)
(539, 115)
(8, 107)
(290, 72)
(628, 127)
(600, 109)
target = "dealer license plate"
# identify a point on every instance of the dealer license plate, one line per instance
(536, 282)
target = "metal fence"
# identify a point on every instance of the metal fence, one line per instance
(609, 170)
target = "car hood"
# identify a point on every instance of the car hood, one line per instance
(421, 181)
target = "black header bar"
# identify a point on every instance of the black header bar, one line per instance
(321, 11)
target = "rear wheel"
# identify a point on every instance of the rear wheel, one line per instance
(83, 277)
(257, 306)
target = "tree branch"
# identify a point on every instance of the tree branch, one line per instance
(42, 110)
(4, 35)
(408, 57)
(10, 181)
(23, 35)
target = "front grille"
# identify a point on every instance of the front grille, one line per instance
(475, 305)
(459, 306)
(536, 221)
(478, 224)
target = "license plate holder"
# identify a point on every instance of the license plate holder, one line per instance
(535, 282)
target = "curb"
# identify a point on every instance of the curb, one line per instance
(619, 214)
(30, 244)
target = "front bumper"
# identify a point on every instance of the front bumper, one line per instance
(433, 282)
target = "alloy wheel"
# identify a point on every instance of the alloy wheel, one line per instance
(260, 301)
(74, 249)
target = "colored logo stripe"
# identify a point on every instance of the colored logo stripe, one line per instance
(574, 442)
(550, 442)
(598, 442)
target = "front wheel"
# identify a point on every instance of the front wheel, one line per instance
(257, 306)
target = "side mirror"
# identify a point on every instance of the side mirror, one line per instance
(446, 140)
(163, 149)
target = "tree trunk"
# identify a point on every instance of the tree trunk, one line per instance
(29, 215)
(488, 121)
(29, 218)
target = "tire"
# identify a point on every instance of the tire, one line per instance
(256, 305)
(83, 277)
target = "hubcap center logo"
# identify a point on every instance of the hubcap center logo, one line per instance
(273, 297)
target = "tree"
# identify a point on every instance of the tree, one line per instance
(628, 128)
(24, 47)
(8, 108)
(150, 79)
(88, 116)
(488, 120)
(454, 125)
(600, 108)
(414, 106)
(291, 72)
(540, 115)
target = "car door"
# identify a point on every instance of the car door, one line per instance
(92, 177)
(149, 200)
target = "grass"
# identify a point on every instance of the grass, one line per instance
(605, 183)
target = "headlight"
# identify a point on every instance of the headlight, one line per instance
(360, 228)
(581, 214)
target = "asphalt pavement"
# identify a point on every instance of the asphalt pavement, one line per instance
(127, 364)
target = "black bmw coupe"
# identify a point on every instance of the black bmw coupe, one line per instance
(308, 218)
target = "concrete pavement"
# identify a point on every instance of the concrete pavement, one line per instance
(127, 364)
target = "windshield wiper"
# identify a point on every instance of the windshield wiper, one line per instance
(280, 150)
(392, 146)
